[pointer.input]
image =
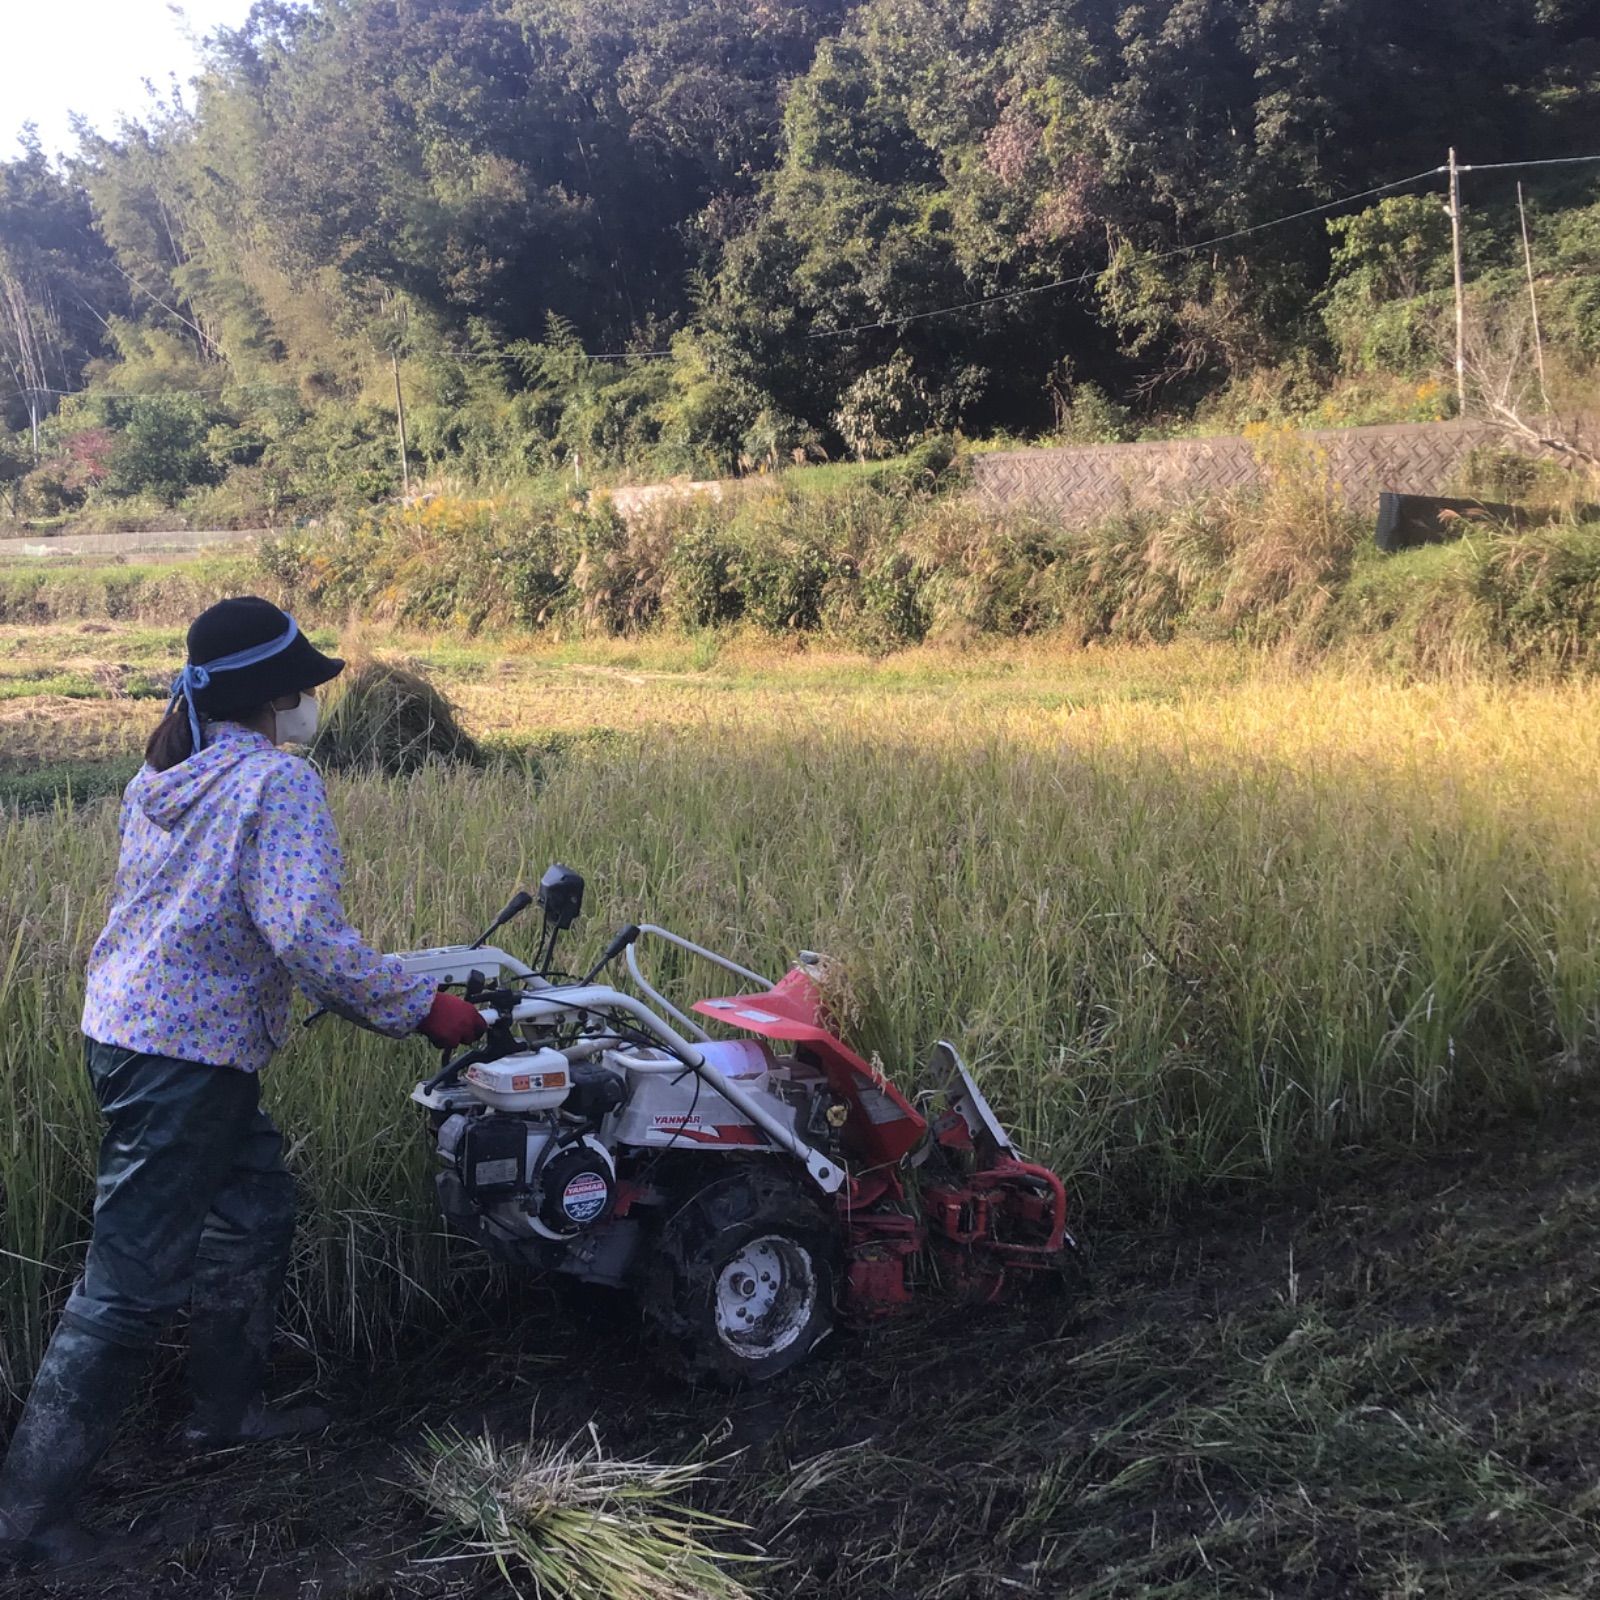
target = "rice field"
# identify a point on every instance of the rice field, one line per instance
(1197, 919)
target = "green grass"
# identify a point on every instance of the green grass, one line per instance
(67, 783)
(134, 591)
(69, 685)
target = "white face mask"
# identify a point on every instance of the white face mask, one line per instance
(297, 725)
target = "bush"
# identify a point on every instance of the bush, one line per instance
(1540, 594)
(341, 455)
(702, 587)
(162, 446)
(1285, 564)
(1388, 284)
(884, 410)
(619, 569)
(893, 606)
(467, 563)
(1293, 548)
(48, 491)
(985, 573)
(785, 583)
(1086, 414)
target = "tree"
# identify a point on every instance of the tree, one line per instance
(161, 446)
(58, 285)
(805, 200)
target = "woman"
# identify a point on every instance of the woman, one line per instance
(226, 898)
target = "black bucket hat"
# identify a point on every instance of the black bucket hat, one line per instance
(244, 624)
(242, 653)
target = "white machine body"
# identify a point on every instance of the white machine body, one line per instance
(537, 1080)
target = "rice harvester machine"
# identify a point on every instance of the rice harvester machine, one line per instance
(748, 1190)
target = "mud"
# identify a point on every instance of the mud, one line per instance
(1091, 1448)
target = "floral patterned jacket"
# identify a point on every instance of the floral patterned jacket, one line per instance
(227, 895)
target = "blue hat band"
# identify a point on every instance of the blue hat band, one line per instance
(196, 675)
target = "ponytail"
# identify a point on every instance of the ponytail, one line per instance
(173, 739)
(171, 742)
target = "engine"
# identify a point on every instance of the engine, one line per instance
(525, 1158)
(529, 1176)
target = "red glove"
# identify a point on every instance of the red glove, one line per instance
(451, 1022)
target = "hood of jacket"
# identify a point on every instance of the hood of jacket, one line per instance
(166, 798)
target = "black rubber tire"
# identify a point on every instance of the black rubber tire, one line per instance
(696, 1246)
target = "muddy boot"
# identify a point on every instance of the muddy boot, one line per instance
(78, 1394)
(230, 1334)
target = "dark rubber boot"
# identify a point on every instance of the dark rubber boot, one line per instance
(82, 1386)
(230, 1335)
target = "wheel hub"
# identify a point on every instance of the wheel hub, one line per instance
(766, 1293)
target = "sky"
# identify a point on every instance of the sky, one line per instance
(91, 56)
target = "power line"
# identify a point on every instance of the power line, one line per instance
(627, 355)
(1093, 273)
(120, 394)
(1057, 283)
(1077, 280)
(1507, 166)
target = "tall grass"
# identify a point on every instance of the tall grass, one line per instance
(1286, 564)
(1212, 936)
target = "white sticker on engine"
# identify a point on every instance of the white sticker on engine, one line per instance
(506, 1170)
(585, 1196)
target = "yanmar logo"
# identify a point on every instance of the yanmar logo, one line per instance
(692, 1128)
(682, 1124)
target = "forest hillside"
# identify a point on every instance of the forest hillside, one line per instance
(712, 236)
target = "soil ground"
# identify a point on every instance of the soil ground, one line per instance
(1384, 1388)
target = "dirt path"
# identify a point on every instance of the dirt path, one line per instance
(184, 541)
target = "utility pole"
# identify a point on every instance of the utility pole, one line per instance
(1461, 304)
(33, 420)
(1533, 301)
(400, 415)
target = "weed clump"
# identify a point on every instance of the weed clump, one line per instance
(891, 559)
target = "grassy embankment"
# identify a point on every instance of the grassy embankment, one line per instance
(891, 557)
